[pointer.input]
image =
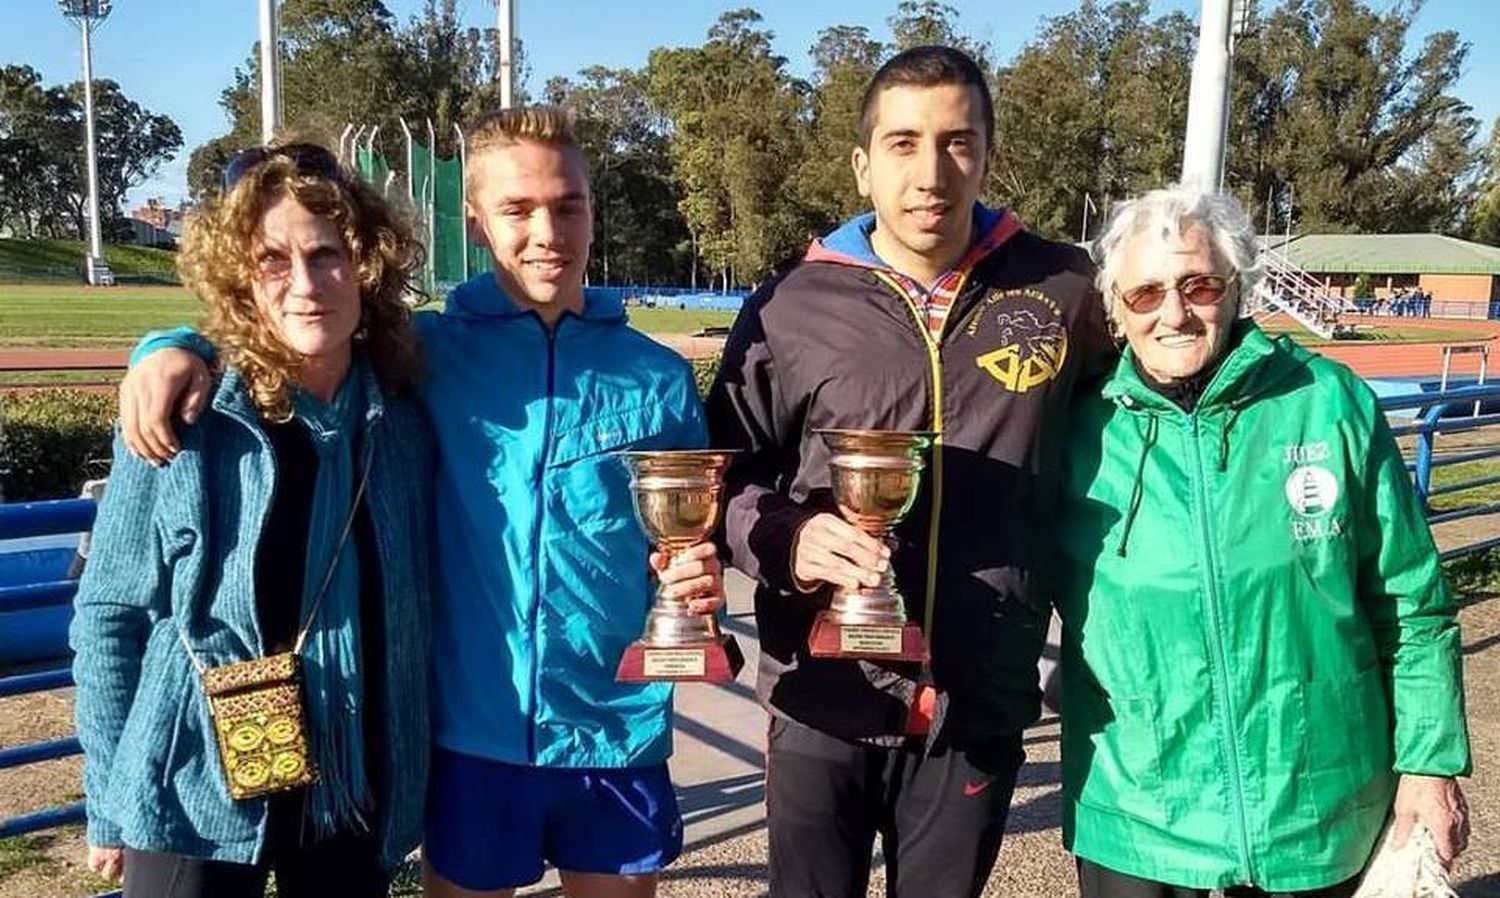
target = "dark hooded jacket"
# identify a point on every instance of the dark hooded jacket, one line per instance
(838, 341)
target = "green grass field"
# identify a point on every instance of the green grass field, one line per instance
(678, 321)
(1384, 333)
(35, 315)
(73, 315)
(23, 261)
(102, 377)
(1468, 472)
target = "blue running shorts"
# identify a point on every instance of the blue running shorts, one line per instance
(492, 825)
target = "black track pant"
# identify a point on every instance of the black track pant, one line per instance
(1095, 881)
(940, 817)
(343, 865)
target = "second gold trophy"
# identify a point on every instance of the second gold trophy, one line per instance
(875, 475)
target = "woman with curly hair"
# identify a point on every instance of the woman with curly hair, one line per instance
(251, 631)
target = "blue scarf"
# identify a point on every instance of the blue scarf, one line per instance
(331, 657)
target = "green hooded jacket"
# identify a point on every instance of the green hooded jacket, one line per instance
(1257, 635)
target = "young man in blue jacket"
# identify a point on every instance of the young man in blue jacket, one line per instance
(532, 385)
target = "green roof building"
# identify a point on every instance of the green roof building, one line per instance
(1463, 278)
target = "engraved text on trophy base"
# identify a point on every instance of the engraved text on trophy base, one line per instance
(673, 663)
(856, 639)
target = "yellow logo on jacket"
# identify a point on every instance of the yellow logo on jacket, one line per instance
(1033, 340)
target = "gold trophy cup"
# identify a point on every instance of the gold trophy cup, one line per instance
(677, 503)
(875, 475)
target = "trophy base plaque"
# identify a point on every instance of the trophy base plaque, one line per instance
(833, 638)
(715, 662)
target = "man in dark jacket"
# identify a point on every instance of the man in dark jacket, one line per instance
(934, 313)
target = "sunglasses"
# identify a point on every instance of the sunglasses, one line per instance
(1195, 290)
(306, 158)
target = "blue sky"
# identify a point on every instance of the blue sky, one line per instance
(175, 56)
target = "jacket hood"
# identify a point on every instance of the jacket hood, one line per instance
(849, 244)
(480, 297)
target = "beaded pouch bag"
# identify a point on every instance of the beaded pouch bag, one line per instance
(261, 725)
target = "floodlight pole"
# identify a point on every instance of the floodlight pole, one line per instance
(86, 14)
(1208, 99)
(96, 238)
(507, 52)
(270, 72)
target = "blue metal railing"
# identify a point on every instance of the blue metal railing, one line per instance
(19, 520)
(25, 520)
(37, 595)
(46, 818)
(36, 681)
(1461, 410)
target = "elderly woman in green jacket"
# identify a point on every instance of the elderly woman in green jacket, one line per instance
(293, 524)
(1261, 661)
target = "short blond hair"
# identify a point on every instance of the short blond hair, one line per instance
(508, 127)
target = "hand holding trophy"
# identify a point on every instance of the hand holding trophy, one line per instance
(874, 475)
(676, 495)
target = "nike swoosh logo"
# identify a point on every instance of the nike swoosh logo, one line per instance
(976, 787)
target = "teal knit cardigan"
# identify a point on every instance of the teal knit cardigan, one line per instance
(175, 547)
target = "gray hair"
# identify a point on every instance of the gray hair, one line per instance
(1170, 212)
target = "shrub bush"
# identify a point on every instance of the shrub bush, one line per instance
(51, 441)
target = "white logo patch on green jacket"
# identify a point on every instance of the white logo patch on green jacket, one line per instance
(1312, 491)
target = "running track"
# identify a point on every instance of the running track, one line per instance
(1368, 359)
(1376, 359)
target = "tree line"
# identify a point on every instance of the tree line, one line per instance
(43, 175)
(715, 163)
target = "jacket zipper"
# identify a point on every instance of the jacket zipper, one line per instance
(934, 518)
(536, 542)
(1221, 677)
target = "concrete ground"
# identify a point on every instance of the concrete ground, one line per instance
(718, 771)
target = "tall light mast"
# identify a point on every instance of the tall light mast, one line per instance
(270, 71)
(87, 14)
